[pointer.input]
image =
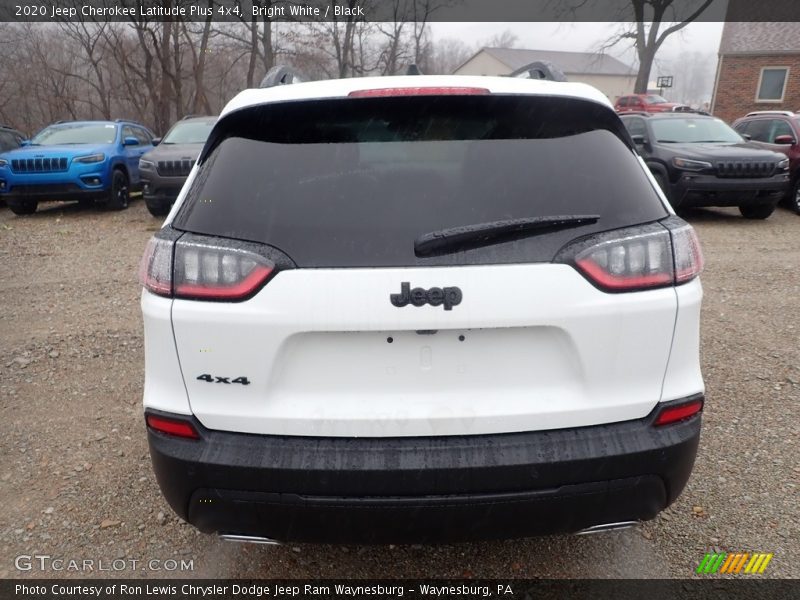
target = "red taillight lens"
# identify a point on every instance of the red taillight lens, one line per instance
(419, 91)
(201, 268)
(640, 258)
(155, 270)
(688, 255)
(206, 271)
(629, 263)
(679, 412)
(174, 427)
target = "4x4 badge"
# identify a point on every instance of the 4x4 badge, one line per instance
(449, 296)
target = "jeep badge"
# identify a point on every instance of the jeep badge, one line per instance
(449, 296)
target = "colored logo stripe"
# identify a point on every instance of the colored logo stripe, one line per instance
(736, 562)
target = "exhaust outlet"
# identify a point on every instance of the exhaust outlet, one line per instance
(248, 539)
(607, 527)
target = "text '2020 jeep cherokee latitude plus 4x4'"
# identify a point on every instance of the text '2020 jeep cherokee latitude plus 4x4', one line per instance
(408, 308)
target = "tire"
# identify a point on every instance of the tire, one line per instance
(757, 211)
(794, 196)
(25, 206)
(158, 208)
(119, 194)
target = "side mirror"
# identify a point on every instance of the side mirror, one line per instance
(639, 140)
(785, 139)
(130, 141)
(25, 143)
(156, 141)
(746, 136)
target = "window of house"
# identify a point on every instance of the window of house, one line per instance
(772, 84)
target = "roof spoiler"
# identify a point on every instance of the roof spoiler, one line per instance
(540, 69)
(280, 75)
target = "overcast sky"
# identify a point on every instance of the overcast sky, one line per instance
(581, 37)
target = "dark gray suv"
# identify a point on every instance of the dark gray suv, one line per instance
(165, 168)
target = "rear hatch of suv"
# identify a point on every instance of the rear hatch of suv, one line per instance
(412, 265)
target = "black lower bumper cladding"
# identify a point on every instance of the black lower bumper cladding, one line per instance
(431, 489)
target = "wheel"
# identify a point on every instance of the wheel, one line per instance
(24, 206)
(794, 196)
(757, 211)
(158, 208)
(118, 196)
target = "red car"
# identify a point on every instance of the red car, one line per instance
(644, 103)
(779, 131)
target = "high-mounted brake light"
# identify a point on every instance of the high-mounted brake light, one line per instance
(419, 91)
(673, 414)
(201, 268)
(639, 258)
(174, 427)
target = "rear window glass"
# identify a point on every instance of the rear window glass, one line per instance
(353, 182)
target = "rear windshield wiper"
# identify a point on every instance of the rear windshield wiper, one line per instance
(492, 232)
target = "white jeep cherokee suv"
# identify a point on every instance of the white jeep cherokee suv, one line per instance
(421, 308)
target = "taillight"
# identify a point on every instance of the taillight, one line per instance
(688, 255)
(171, 426)
(640, 258)
(678, 412)
(197, 267)
(633, 262)
(155, 270)
(419, 91)
(211, 272)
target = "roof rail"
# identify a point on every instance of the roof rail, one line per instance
(787, 113)
(540, 69)
(280, 75)
(638, 113)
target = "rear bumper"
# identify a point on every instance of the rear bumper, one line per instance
(373, 490)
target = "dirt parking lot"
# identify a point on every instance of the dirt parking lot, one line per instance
(75, 476)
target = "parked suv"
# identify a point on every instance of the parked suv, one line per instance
(9, 138)
(645, 103)
(700, 161)
(86, 161)
(165, 168)
(408, 309)
(778, 131)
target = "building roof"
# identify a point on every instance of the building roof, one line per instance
(760, 38)
(585, 63)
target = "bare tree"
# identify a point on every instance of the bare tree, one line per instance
(506, 39)
(645, 32)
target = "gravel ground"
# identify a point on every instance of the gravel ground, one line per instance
(76, 482)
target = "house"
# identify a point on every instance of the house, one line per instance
(758, 68)
(604, 72)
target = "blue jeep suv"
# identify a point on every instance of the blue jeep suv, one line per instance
(87, 161)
